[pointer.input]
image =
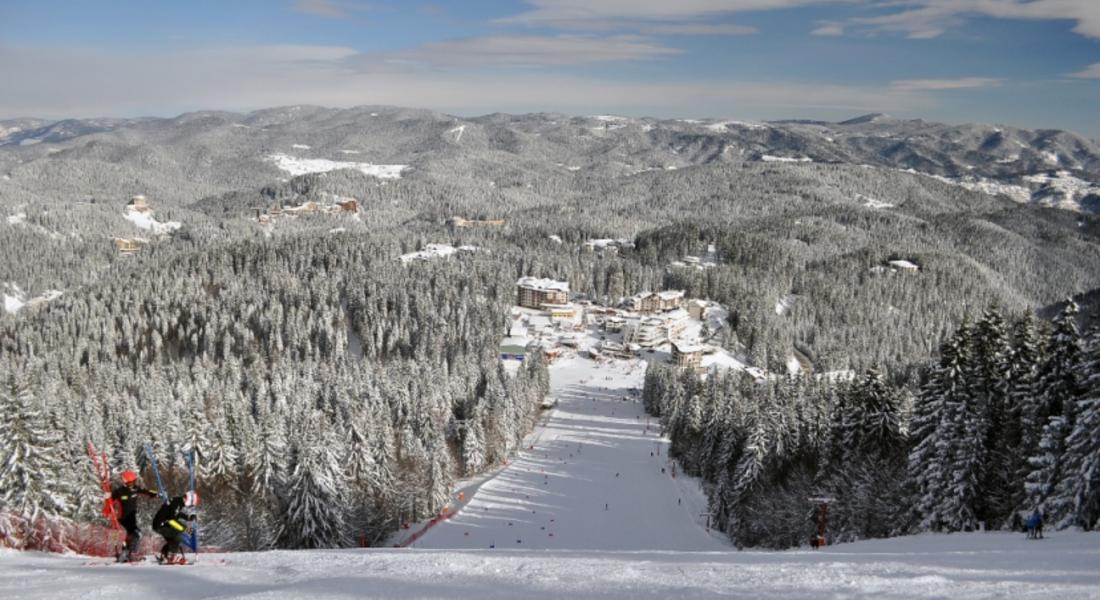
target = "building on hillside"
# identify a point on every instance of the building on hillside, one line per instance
(646, 332)
(687, 355)
(128, 245)
(533, 292)
(560, 311)
(349, 205)
(138, 203)
(650, 302)
(697, 309)
(675, 322)
(461, 222)
(609, 348)
(613, 324)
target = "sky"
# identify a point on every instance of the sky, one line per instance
(1026, 63)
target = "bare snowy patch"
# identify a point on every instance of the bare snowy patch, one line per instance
(432, 251)
(144, 220)
(301, 166)
(457, 131)
(300, 146)
(788, 159)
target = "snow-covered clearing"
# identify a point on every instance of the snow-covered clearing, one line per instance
(301, 166)
(770, 158)
(12, 304)
(300, 146)
(145, 220)
(431, 251)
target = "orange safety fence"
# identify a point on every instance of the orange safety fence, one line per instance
(446, 513)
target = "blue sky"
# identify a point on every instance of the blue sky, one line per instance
(1030, 63)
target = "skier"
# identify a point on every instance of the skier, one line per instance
(126, 495)
(167, 524)
(1037, 517)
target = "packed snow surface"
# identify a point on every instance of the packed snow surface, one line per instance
(589, 479)
(963, 565)
(301, 166)
(637, 535)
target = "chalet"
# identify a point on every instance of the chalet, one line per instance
(128, 245)
(650, 302)
(686, 355)
(348, 205)
(534, 292)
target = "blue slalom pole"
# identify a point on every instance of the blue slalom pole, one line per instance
(153, 463)
(191, 540)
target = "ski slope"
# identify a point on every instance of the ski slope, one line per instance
(590, 478)
(649, 541)
(970, 565)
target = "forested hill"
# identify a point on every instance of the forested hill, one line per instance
(244, 308)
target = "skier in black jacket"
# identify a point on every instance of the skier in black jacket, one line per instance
(168, 523)
(127, 495)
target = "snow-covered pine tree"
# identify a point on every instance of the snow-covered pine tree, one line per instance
(30, 469)
(316, 492)
(1021, 434)
(1059, 388)
(1077, 492)
(931, 432)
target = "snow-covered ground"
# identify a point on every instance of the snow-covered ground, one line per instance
(431, 251)
(975, 565)
(145, 220)
(770, 158)
(589, 479)
(300, 166)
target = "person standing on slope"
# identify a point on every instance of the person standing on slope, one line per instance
(167, 522)
(126, 495)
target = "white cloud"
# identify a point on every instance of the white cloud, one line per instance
(918, 19)
(828, 29)
(69, 82)
(1090, 72)
(700, 29)
(930, 18)
(963, 83)
(677, 17)
(520, 50)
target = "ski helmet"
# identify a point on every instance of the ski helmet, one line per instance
(191, 499)
(129, 477)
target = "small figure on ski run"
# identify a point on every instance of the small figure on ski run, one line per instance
(167, 523)
(1035, 525)
(126, 495)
